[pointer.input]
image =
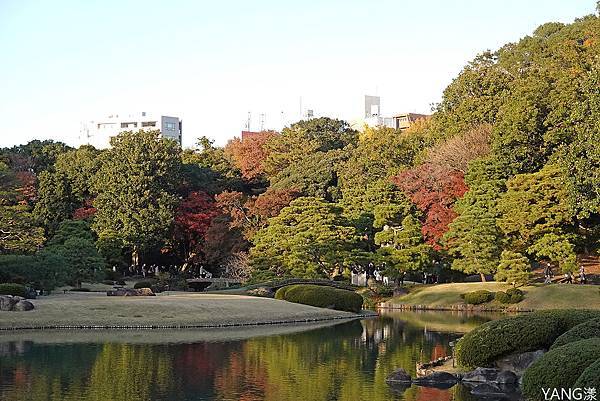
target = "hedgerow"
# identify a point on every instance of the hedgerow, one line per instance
(588, 329)
(321, 296)
(478, 297)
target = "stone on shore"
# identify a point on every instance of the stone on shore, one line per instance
(441, 380)
(517, 363)
(23, 306)
(398, 376)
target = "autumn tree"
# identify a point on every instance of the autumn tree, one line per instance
(193, 217)
(249, 153)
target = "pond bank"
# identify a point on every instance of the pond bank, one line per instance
(165, 311)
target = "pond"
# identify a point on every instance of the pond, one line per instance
(347, 361)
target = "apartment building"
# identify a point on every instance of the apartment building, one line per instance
(98, 132)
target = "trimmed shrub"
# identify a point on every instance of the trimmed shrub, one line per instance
(590, 377)
(13, 289)
(478, 297)
(515, 294)
(560, 367)
(588, 329)
(145, 284)
(502, 297)
(82, 289)
(321, 296)
(530, 332)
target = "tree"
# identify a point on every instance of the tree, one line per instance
(73, 242)
(308, 238)
(474, 239)
(192, 220)
(514, 268)
(55, 201)
(79, 166)
(135, 189)
(249, 154)
(403, 247)
(537, 215)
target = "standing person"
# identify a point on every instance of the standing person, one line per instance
(569, 278)
(547, 276)
(582, 279)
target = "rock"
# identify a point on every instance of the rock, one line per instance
(262, 292)
(145, 292)
(492, 392)
(483, 375)
(517, 363)
(507, 377)
(398, 376)
(23, 306)
(442, 380)
(487, 390)
(7, 302)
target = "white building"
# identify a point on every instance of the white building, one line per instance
(373, 117)
(98, 132)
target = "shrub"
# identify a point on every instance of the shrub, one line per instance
(502, 297)
(478, 297)
(144, 284)
(322, 296)
(538, 330)
(515, 295)
(108, 282)
(82, 289)
(588, 329)
(560, 367)
(13, 289)
(590, 377)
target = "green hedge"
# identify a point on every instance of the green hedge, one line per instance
(515, 294)
(13, 289)
(529, 332)
(321, 296)
(588, 329)
(590, 377)
(560, 367)
(502, 297)
(478, 297)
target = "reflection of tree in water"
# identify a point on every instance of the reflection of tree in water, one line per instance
(344, 362)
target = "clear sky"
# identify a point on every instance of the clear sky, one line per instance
(210, 62)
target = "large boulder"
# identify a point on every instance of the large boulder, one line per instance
(518, 362)
(398, 376)
(23, 306)
(492, 392)
(441, 380)
(7, 302)
(481, 375)
(145, 292)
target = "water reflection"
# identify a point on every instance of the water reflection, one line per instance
(348, 361)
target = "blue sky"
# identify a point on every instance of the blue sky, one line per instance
(210, 62)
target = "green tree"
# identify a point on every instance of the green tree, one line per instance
(474, 238)
(55, 200)
(514, 268)
(537, 215)
(135, 189)
(309, 238)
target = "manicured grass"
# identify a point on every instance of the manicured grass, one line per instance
(539, 296)
(165, 309)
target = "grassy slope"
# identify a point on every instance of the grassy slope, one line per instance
(173, 309)
(555, 296)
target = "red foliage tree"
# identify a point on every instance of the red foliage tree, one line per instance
(249, 154)
(192, 220)
(433, 189)
(86, 211)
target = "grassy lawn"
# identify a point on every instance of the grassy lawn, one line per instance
(539, 296)
(165, 309)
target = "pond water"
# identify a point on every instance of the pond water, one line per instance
(347, 361)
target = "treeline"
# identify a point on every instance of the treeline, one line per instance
(505, 173)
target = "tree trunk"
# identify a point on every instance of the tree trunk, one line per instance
(482, 277)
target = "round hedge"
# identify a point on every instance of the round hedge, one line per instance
(13, 289)
(478, 297)
(515, 294)
(529, 332)
(144, 284)
(560, 367)
(502, 297)
(590, 377)
(588, 329)
(321, 296)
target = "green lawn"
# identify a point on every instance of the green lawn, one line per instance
(539, 296)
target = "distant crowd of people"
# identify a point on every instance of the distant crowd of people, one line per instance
(568, 278)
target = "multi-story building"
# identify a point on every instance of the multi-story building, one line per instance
(98, 132)
(373, 117)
